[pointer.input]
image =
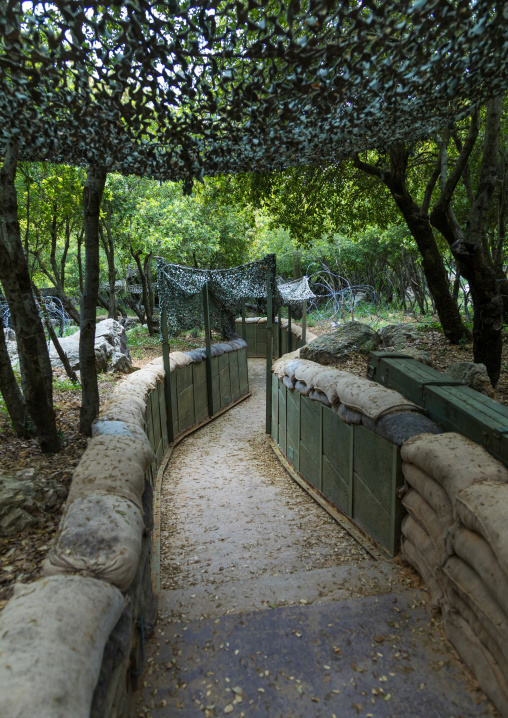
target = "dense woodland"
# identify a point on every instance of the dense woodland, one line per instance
(419, 227)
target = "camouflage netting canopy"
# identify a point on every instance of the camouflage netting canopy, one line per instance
(178, 90)
(181, 293)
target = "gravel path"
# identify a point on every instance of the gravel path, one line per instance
(269, 608)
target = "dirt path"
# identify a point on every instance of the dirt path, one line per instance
(269, 608)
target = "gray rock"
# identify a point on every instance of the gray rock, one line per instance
(397, 335)
(474, 375)
(349, 337)
(130, 323)
(111, 351)
(418, 354)
(17, 505)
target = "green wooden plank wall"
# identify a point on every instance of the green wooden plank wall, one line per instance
(256, 340)
(357, 470)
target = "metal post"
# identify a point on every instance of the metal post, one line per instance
(290, 336)
(304, 322)
(269, 349)
(167, 378)
(206, 313)
(244, 324)
(279, 331)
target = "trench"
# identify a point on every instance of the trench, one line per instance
(268, 607)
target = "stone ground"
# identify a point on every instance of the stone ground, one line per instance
(269, 608)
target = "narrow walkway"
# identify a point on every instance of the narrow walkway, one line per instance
(269, 608)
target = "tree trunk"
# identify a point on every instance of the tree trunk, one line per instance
(30, 338)
(109, 249)
(92, 197)
(10, 390)
(149, 291)
(52, 335)
(142, 274)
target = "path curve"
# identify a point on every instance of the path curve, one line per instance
(269, 608)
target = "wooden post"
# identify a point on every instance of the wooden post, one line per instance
(290, 336)
(269, 349)
(279, 331)
(206, 313)
(304, 323)
(244, 324)
(167, 371)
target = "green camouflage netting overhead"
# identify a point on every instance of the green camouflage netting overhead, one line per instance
(180, 293)
(178, 90)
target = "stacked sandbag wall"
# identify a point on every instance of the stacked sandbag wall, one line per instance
(343, 434)
(71, 643)
(456, 536)
(256, 336)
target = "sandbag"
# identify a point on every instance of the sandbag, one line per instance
(482, 632)
(316, 395)
(402, 425)
(52, 637)
(103, 427)
(279, 366)
(350, 416)
(291, 366)
(197, 355)
(225, 346)
(178, 359)
(370, 398)
(301, 387)
(478, 659)
(469, 586)
(474, 550)
(99, 536)
(112, 465)
(368, 423)
(425, 515)
(417, 550)
(288, 382)
(326, 381)
(482, 508)
(308, 372)
(432, 492)
(452, 460)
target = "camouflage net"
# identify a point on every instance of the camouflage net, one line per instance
(175, 90)
(180, 292)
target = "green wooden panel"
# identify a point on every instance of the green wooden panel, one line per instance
(337, 461)
(184, 377)
(215, 384)
(275, 408)
(225, 380)
(251, 339)
(149, 421)
(163, 413)
(234, 375)
(471, 414)
(261, 340)
(282, 417)
(186, 408)
(174, 400)
(199, 373)
(293, 427)
(243, 371)
(156, 418)
(310, 440)
(284, 341)
(377, 475)
(200, 402)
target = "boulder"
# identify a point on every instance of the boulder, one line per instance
(474, 375)
(349, 337)
(18, 505)
(111, 351)
(398, 335)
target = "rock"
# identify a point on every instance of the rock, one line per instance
(397, 335)
(474, 375)
(17, 505)
(130, 323)
(349, 337)
(111, 351)
(418, 354)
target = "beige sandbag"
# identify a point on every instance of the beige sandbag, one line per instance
(326, 382)
(178, 359)
(103, 426)
(309, 371)
(425, 515)
(432, 492)
(470, 587)
(370, 398)
(418, 550)
(478, 659)
(52, 637)
(99, 536)
(474, 550)
(482, 632)
(453, 461)
(280, 365)
(112, 465)
(482, 508)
